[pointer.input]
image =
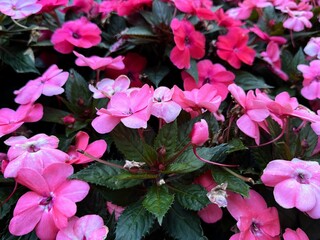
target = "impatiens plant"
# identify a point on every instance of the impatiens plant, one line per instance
(159, 119)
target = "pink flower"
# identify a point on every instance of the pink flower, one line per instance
(295, 235)
(189, 43)
(245, 8)
(87, 227)
(117, 210)
(272, 56)
(199, 133)
(18, 9)
(163, 106)
(233, 48)
(107, 87)
(225, 20)
(11, 120)
(96, 149)
(264, 36)
(197, 100)
(214, 74)
(132, 108)
(49, 5)
(311, 84)
(295, 181)
(49, 204)
(3, 162)
(200, 8)
(312, 48)
(36, 152)
(99, 63)
(254, 112)
(122, 7)
(49, 84)
(211, 213)
(90, 7)
(134, 65)
(254, 219)
(77, 33)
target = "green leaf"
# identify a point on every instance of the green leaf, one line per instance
(291, 62)
(54, 115)
(131, 145)
(134, 223)
(298, 58)
(22, 61)
(156, 74)
(4, 194)
(140, 32)
(191, 197)
(249, 81)
(111, 177)
(167, 138)
(162, 11)
(193, 70)
(182, 224)
(158, 201)
(234, 184)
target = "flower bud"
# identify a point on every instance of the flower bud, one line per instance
(200, 133)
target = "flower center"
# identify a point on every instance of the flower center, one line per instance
(255, 229)
(187, 40)
(302, 178)
(75, 35)
(32, 148)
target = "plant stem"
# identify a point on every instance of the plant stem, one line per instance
(246, 179)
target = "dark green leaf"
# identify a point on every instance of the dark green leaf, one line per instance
(158, 201)
(192, 197)
(142, 32)
(193, 70)
(182, 224)
(248, 81)
(20, 61)
(156, 74)
(234, 184)
(4, 194)
(134, 223)
(298, 58)
(111, 177)
(162, 11)
(29, 236)
(54, 115)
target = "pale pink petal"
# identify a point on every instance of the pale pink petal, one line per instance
(105, 123)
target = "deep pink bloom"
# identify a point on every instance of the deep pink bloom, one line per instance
(117, 210)
(11, 120)
(233, 48)
(311, 83)
(87, 227)
(189, 43)
(214, 74)
(90, 7)
(49, 84)
(295, 181)
(224, 20)
(132, 108)
(272, 56)
(254, 219)
(99, 63)
(134, 65)
(255, 112)
(36, 153)
(299, 234)
(264, 36)
(77, 33)
(246, 7)
(49, 5)
(122, 7)
(200, 8)
(107, 87)
(49, 204)
(96, 149)
(200, 133)
(198, 100)
(163, 106)
(18, 9)
(211, 213)
(312, 48)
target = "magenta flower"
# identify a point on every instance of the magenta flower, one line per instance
(36, 153)
(254, 219)
(49, 5)
(233, 48)
(99, 63)
(214, 74)
(18, 9)
(49, 84)
(107, 87)
(299, 234)
(254, 111)
(49, 204)
(77, 33)
(163, 106)
(122, 7)
(312, 48)
(96, 149)
(311, 84)
(199, 133)
(87, 227)
(11, 120)
(295, 181)
(132, 108)
(200, 8)
(189, 43)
